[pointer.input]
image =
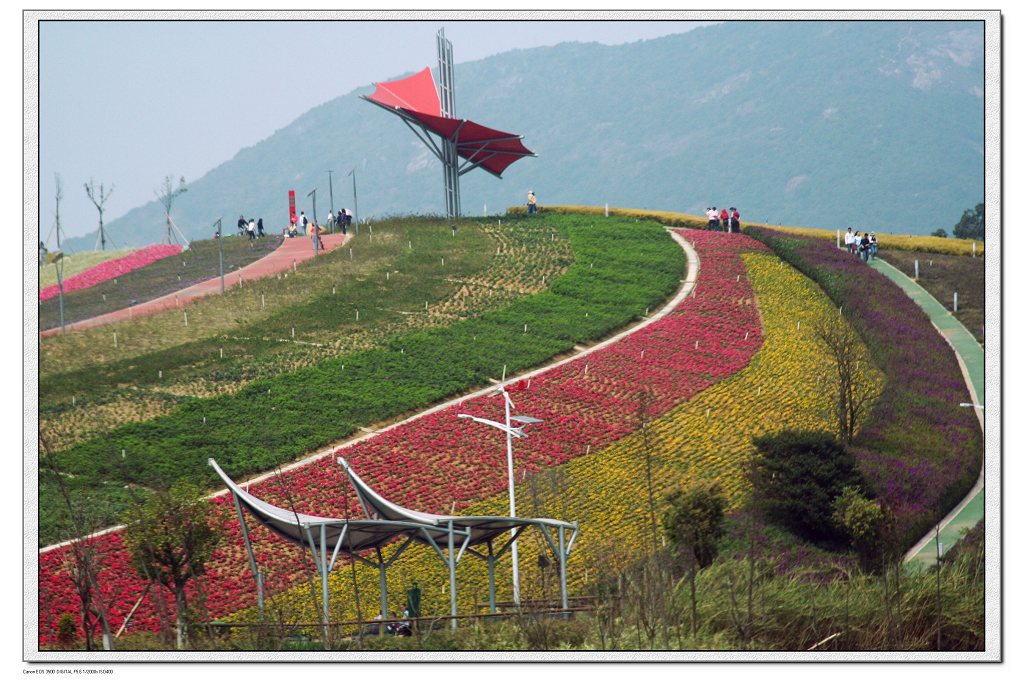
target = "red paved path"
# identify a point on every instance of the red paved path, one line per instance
(290, 252)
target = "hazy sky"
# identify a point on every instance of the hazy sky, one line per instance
(130, 102)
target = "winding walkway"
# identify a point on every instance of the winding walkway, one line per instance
(290, 253)
(971, 357)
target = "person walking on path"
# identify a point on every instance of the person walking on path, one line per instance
(342, 221)
(259, 227)
(330, 221)
(251, 229)
(241, 225)
(735, 220)
(848, 239)
(865, 247)
(531, 202)
(725, 219)
(874, 246)
(713, 219)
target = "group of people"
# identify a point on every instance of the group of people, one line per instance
(252, 228)
(300, 224)
(864, 245)
(394, 626)
(727, 220)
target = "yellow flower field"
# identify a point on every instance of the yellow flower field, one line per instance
(606, 491)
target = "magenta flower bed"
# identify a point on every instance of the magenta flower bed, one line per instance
(436, 459)
(112, 268)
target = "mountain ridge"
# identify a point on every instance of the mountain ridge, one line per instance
(818, 124)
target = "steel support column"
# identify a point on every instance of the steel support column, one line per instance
(252, 557)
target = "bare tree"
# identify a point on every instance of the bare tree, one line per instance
(98, 200)
(167, 193)
(83, 565)
(848, 386)
(644, 402)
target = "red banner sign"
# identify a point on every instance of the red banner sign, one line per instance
(291, 207)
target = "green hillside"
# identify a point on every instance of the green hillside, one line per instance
(818, 124)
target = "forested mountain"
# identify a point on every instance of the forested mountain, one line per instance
(822, 124)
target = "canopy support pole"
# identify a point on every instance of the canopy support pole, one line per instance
(490, 577)
(252, 557)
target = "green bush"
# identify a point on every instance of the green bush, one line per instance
(797, 476)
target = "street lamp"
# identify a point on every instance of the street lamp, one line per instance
(510, 432)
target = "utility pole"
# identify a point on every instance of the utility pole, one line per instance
(90, 189)
(316, 226)
(355, 200)
(330, 188)
(313, 194)
(220, 249)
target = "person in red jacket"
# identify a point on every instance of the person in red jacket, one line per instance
(725, 219)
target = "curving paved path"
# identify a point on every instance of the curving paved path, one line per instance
(971, 357)
(290, 253)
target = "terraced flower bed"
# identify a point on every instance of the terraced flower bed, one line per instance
(108, 270)
(486, 267)
(707, 436)
(272, 421)
(919, 448)
(148, 274)
(591, 301)
(74, 263)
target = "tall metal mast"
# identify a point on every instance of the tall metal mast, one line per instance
(450, 156)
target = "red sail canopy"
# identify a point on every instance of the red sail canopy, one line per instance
(415, 93)
(415, 100)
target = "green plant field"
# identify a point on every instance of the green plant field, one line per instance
(167, 275)
(484, 267)
(278, 419)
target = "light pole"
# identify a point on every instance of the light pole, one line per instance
(316, 227)
(355, 200)
(330, 188)
(510, 432)
(220, 250)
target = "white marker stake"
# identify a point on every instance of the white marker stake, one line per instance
(606, 210)
(955, 307)
(387, 275)
(263, 300)
(759, 390)
(917, 272)
(974, 249)
(642, 354)
(503, 368)
(350, 254)
(122, 453)
(524, 328)
(177, 303)
(798, 324)
(357, 315)
(586, 369)
(426, 305)
(528, 382)
(696, 345)
(160, 374)
(221, 353)
(186, 318)
(746, 336)
(442, 262)
(647, 311)
(707, 415)
(410, 243)
(105, 297)
(588, 449)
(293, 332)
(72, 401)
(204, 420)
(293, 266)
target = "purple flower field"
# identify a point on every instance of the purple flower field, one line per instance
(920, 450)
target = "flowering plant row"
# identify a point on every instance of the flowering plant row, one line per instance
(437, 462)
(110, 269)
(918, 447)
(708, 436)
